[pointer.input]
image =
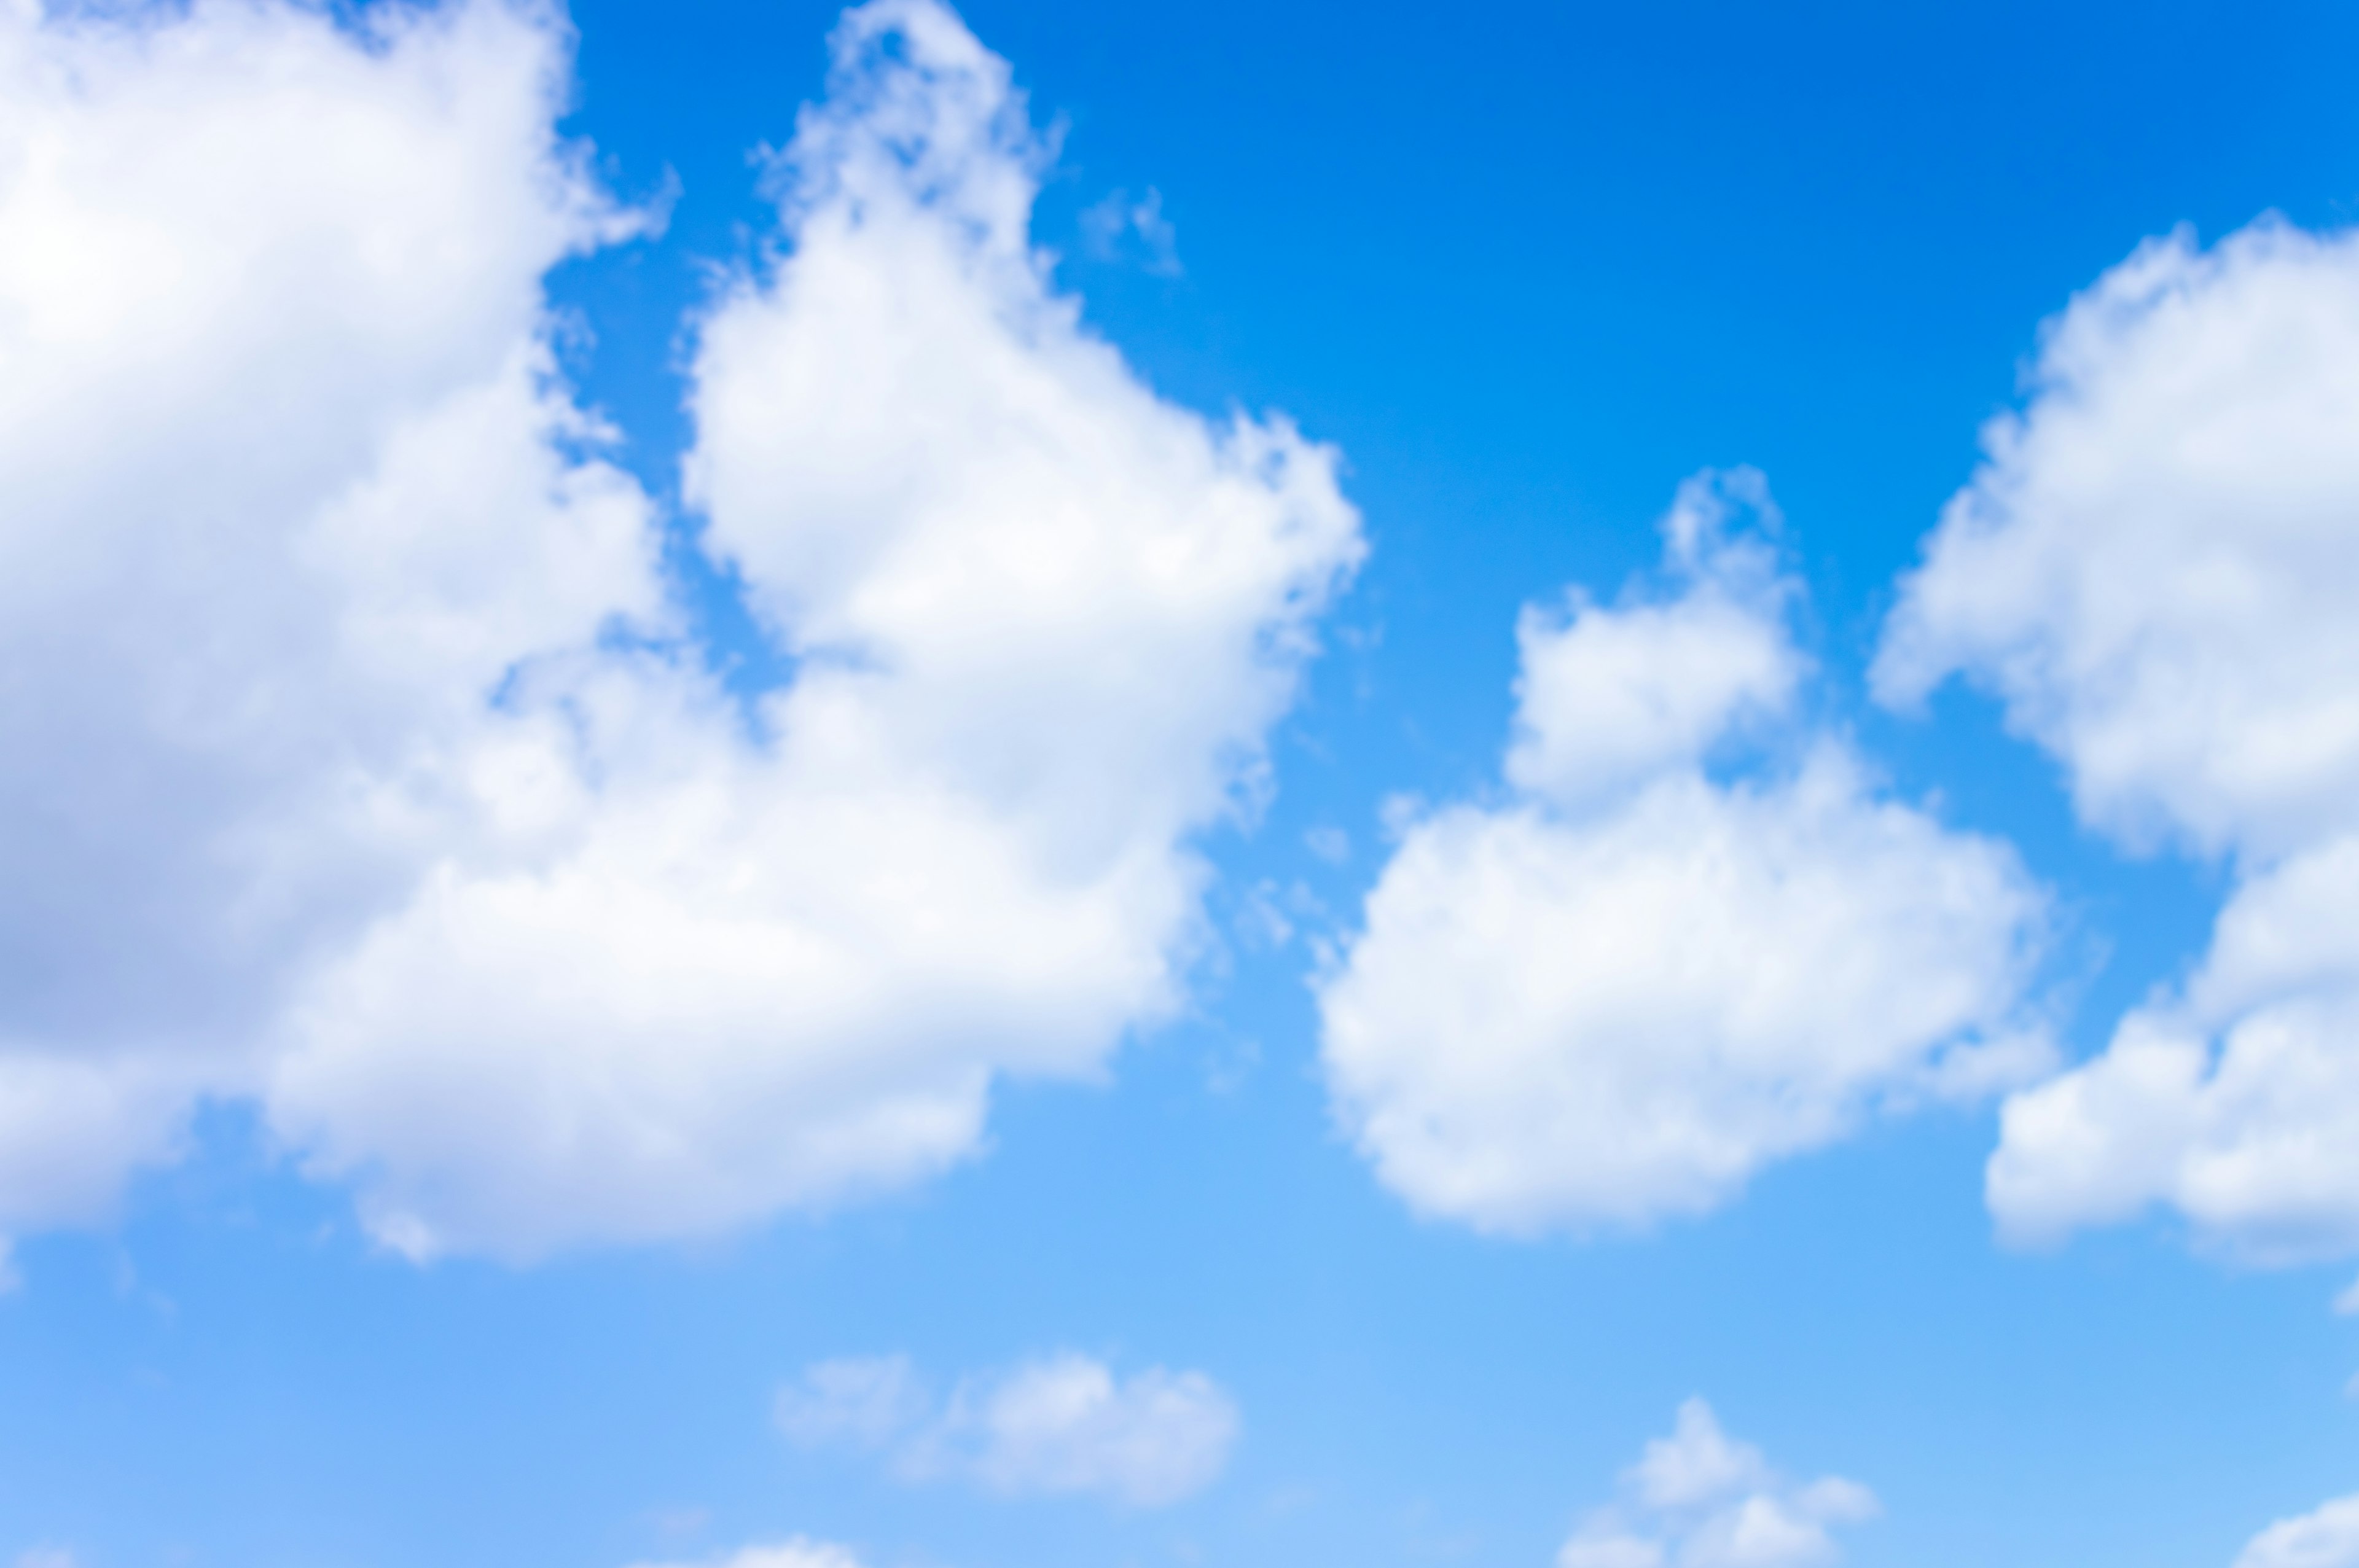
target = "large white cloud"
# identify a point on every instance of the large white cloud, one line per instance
(1699, 1498)
(1060, 1424)
(1619, 991)
(288, 498)
(344, 790)
(2155, 570)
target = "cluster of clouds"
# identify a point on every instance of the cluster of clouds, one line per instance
(362, 764)
(357, 758)
(1065, 1424)
(1700, 1499)
(1621, 985)
(1696, 1498)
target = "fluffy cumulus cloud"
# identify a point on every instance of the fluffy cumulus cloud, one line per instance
(1619, 990)
(2153, 571)
(353, 758)
(292, 494)
(1061, 1424)
(2327, 1537)
(1699, 1498)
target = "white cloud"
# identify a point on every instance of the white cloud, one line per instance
(1041, 619)
(1621, 990)
(289, 493)
(350, 800)
(2155, 564)
(1699, 1498)
(2154, 569)
(1061, 1424)
(795, 1553)
(2328, 1537)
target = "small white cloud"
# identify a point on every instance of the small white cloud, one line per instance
(867, 1402)
(2154, 569)
(1617, 994)
(1064, 1424)
(2326, 1538)
(46, 1557)
(1116, 227)
(1698, 1499)
(795, 1553)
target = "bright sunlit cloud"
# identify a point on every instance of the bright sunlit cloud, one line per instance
(293, 492)
(384, 786)
(1620, 991)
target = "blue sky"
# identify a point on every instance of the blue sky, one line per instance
(1206, 786)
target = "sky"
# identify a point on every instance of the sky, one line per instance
(1067, 786)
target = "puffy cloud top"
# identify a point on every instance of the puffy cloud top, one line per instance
(1611, 697)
